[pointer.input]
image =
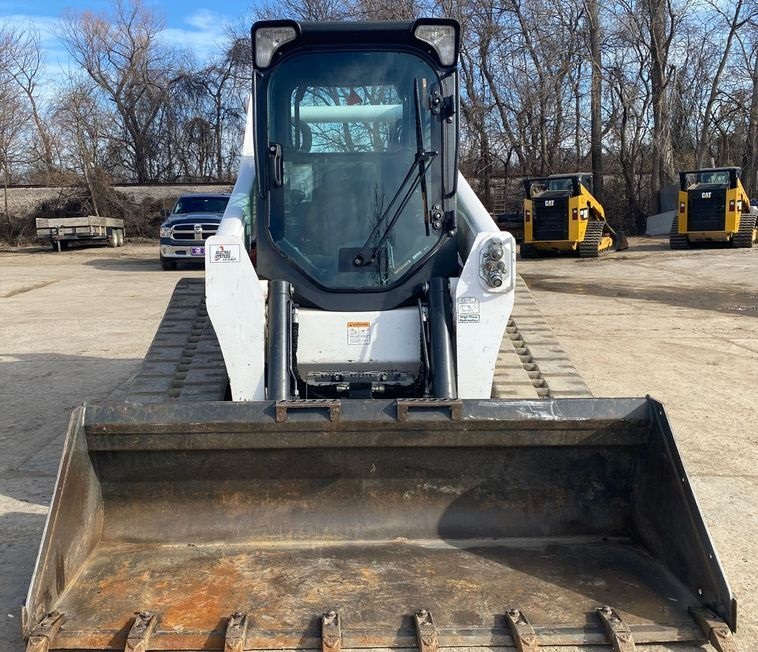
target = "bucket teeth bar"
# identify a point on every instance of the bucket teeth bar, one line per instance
(617, 630)
(332, 406)
(522, 632)
(236, 631)
(426, 631)
(45, 632)
(331, 632)
(138, 639)
(405, 405)
(715, 630)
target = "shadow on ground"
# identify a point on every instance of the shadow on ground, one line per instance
(18, 550)
(728, 301)
(39, 391)
(127, 264)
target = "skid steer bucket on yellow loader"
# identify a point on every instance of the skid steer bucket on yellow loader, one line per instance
(374, 524)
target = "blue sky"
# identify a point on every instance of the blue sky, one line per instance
(197, 24)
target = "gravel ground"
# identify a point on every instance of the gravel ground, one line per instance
(680, 326)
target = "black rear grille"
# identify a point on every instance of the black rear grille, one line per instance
(550, 219)
(707, 210)
(187, 231)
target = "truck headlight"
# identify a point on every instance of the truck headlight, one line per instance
(165, 232)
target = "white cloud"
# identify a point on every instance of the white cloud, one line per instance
(205, 19)
(57, 60)
(204, 36)
(47, 26)
(203, 32)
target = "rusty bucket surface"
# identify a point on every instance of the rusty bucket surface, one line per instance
(368, 524)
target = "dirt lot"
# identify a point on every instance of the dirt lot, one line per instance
(679, 326)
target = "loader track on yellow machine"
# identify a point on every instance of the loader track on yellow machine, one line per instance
(590, 246)
(677, 240)
(745, 236)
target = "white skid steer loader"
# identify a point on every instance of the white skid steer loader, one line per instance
(315, 463)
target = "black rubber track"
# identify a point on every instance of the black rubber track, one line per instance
(184, 361)
(676, 239)
(743, 239)
(590, 246)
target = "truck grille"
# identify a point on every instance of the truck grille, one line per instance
(551, 222)
(707, 213)
(188, 231)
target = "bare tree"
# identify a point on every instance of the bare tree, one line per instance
(24, 62)
(661, 17)
(218, 82)
(316, 10)
(83, 127)
(386, 9)
(596, 137)
(13, 117)
(733, 22)
(123, 56)
(12, 136)
(749, 62)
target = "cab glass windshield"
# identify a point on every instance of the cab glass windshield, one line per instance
(347, 123)
(201, 205)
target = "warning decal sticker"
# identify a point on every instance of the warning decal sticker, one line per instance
(358, 332)
(468, 310)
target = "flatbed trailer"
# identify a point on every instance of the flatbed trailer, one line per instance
(60, 231)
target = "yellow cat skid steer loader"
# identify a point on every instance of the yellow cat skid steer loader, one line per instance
(310, 458)
(561, 214)
(713, 207)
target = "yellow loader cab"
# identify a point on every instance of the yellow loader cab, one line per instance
(713, 207)
(561, 214)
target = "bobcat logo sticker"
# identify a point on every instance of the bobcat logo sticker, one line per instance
(225, 253)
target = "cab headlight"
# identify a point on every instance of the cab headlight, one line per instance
(442, 39)
(165, 232)
(268, 40)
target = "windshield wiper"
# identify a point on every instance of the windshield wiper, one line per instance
(416, 175)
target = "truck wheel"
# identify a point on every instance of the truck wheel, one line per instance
(167, 264)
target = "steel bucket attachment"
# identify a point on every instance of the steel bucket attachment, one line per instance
(374, 524)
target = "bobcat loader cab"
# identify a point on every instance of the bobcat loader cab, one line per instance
(713, 207)
(561, 214)
(362, 222)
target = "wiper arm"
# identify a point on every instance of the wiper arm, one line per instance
(416, 175)
(420, 152)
